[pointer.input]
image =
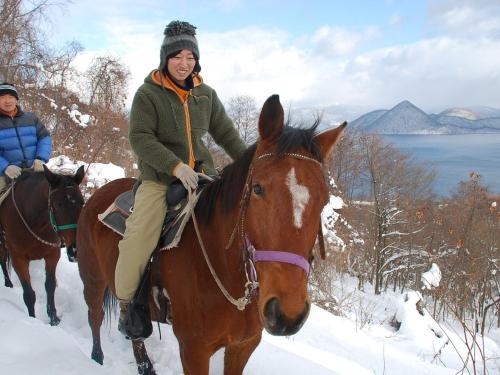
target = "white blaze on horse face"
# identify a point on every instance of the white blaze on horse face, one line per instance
(300, 197)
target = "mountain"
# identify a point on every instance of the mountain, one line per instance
(330, 116)
(461, 112)
(406, 118)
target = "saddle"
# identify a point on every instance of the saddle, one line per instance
(137, 324)
(178, 214)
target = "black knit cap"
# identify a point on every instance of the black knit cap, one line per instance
(8, 88)
(179, 35)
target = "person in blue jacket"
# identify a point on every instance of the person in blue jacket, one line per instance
(24, 140)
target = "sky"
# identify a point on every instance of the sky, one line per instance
(365, 53)
(359, 342)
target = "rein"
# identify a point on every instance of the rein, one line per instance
(252, 255)
(55, 227)
(53, 244)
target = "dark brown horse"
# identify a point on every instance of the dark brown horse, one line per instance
(270, 200)
(41, 211)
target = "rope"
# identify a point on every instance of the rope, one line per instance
(250, 285)
(53, 244)
(241, 302)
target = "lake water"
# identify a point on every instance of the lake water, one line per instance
(454, 157)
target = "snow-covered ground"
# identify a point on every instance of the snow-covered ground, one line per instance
(326, 344)
(360, 342)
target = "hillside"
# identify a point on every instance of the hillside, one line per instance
(326, 345)
(406, 118)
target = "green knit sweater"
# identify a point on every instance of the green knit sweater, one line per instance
(162, 129)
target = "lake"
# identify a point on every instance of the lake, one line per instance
(454, 157)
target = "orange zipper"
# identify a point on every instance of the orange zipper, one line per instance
(189, 135)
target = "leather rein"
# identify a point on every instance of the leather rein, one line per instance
(252, 255)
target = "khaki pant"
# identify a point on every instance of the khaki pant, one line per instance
(3, 193)
(142, 232)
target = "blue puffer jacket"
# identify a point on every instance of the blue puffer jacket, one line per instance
(23, 139)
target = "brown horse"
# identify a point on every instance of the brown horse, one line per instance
(270, 199)
(40, 212)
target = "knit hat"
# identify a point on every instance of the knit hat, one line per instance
(179, 35)
(7, 88)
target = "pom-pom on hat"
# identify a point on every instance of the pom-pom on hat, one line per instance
(179, 35)
(7, 88)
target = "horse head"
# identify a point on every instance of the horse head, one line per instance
(287, 192)
(65, 203)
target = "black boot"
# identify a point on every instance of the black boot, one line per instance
(123, 317)
(134, 321)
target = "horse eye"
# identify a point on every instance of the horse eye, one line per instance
(257, 189)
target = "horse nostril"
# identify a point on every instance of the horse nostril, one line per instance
(278, 324)
(272, 312)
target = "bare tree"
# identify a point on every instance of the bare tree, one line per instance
(243, 111)
(107, 80)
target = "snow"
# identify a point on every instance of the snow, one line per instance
(97, 174)
(362, 341)
(79, 118)
(328, 219)
(431, 278)
(326, 344)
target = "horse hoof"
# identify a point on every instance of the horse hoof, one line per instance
(98, 357)
(55, 321)
(146, 368)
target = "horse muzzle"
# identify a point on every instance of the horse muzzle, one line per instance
(278, 324)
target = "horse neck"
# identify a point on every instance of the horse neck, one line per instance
(227, 252)
(32, 200)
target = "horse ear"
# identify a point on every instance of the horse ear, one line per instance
(80, 173)
(51, 177)
(328, 138)
(271, 119)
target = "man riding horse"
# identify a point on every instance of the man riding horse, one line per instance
(24, 140)
(170, 114)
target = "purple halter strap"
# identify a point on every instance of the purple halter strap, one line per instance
(276, 256)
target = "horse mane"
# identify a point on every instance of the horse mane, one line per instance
(233, 177)
(35, 178)
(31, 177)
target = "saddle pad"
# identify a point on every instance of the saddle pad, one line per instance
(115, 215)
(175, 221)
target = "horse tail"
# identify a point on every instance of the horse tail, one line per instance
(109, 305)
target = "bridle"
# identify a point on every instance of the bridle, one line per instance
(52, 217)
(251, 254)
(51, 209)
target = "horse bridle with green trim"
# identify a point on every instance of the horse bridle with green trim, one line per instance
(58, 228)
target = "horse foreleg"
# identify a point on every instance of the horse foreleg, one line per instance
(236, 355)
(21, 266)
(195, 358)
(71, 253)
(4, 256)
(50, 288)
(144, 365)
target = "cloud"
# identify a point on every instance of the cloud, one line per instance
(435, 72)
(466, 18)
(396, 20)
(327, 66)
(335, 41)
